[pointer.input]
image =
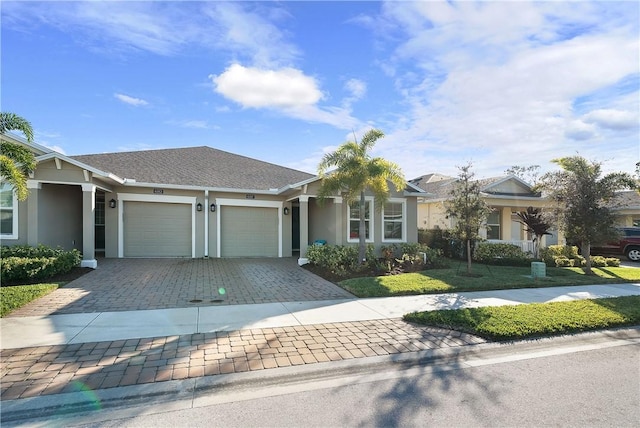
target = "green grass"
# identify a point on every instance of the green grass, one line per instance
(486, 278)
(535, 320)
(17, 296)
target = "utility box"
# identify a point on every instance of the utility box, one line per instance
(538, 269)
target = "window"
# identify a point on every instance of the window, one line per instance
(493, 225)
(8, 212)
(393, 221)
(354, 221)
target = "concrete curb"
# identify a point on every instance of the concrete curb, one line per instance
(75, 403)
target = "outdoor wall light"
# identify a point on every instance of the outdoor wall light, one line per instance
(286, 210)
(213, 208)
(112, 203)
(198, 206)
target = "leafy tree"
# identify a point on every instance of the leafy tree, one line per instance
(535, 223)
(16, 161)
(355, 172)
(468, 208)
(582, 201)
(526, 173)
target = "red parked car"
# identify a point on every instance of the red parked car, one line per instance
(628, 245)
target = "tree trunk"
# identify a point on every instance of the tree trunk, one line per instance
(585, 247)
(469, 256)
(362, 232)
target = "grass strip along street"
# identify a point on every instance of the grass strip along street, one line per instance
(14, 297)
(515, 322)
(453, 279)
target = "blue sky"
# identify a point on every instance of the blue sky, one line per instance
(497, 84)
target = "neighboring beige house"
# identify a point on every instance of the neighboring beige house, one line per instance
(627, 208)
(507, 196)
(188, 202)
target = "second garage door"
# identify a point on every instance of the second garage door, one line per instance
(249, 232)
(154, 229)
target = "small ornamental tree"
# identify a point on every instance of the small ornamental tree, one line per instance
(582, 201)
(534, 222)
(468, 209)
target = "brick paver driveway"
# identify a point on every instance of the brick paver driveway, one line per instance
(136, 284)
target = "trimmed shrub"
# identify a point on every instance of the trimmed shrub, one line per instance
(613, 262)
(562, 261)
(501, 254)
(338, 259)
(22, 262)
(550, 253)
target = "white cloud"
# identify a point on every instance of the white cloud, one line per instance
(193, 124)
(612, 119)
(242, 30)
(258, 88)
(136, 102)
(578, 130)
(356, 87)
(286, 90)
(499, 82)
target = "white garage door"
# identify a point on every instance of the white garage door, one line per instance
(248, 232)
(153, 229)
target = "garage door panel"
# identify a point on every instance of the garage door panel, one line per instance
(249, 232)
(153, 229)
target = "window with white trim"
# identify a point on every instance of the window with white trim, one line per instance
(493, 225)
(393, 221)
(8, 212)
(353, 226)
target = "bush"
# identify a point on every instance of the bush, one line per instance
(501, 254)
(441, 239)
(338, 259)
(22, 262)
(552, 252)
(613, 262)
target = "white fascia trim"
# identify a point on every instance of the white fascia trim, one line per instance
(220, 202)
(123, 197)
(39, 183)
(131, 183)
(513, 197)
(298, 184)
(404, 221)
(416, 188)
(21, 140)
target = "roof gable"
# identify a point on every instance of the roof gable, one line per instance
(440, 186)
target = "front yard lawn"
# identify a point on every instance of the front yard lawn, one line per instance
(535, 320)
(16, 296)
(453, 279)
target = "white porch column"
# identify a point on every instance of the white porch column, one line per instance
(304, 229)
(505, 224)
(32, 212)
(340, 237)
(88, 226)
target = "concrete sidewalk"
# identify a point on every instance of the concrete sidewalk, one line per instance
(22, 332)
(62, 354)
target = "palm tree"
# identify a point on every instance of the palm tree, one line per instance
(355, 172)
(16, 161)
(535, 223)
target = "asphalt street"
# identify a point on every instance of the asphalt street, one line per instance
(588, 380)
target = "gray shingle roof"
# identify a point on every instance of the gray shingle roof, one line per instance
(441, 185)
(627, 199)
(195, 166)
